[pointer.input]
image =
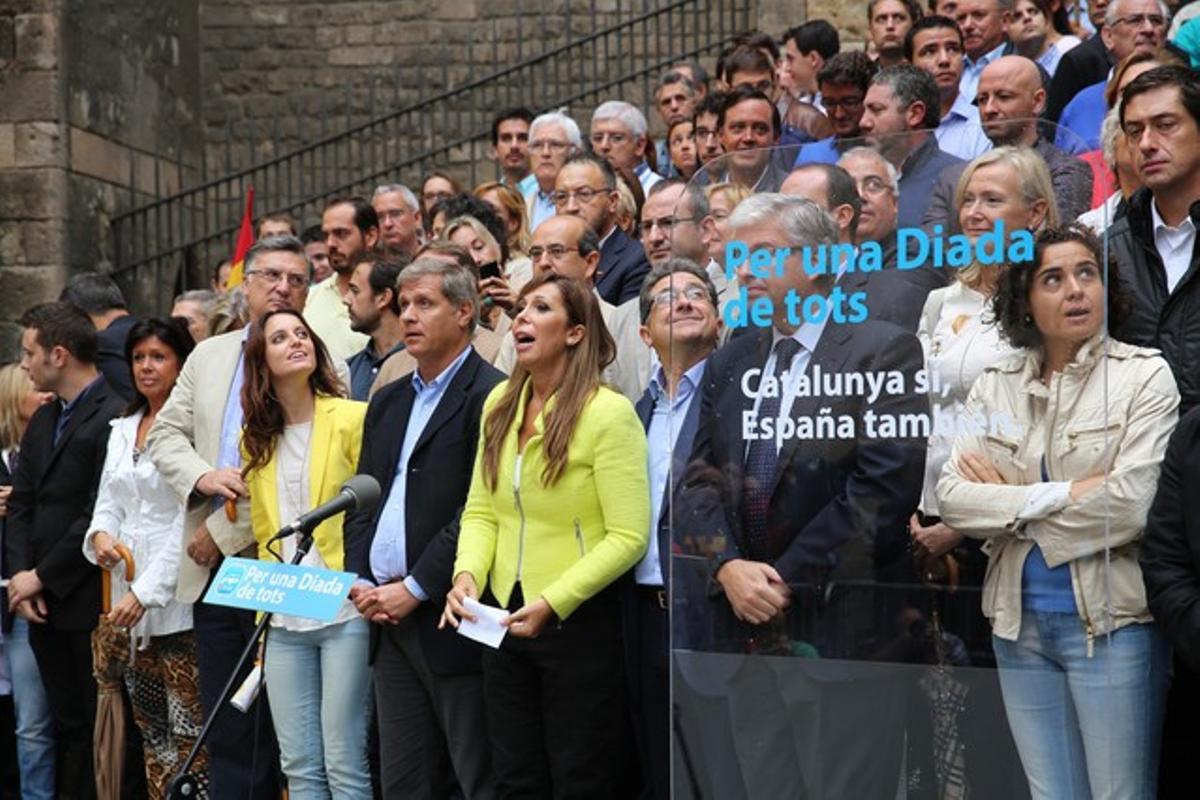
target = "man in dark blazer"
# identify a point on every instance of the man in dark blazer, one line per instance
(419, 442)
(799, 528)
(586, 187)
(681, 323)
(101, 299)
(54, 488)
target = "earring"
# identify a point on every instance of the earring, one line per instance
(1028, 319)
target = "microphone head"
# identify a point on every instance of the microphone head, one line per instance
(365, 491)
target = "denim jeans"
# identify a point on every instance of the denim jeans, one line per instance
(35, 725)
(1085, 727)
(318, 684)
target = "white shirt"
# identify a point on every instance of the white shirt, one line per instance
(137, 508)
(1174, 245)
(807, 336)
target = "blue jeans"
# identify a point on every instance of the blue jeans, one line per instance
(318, 684)
(35, 725)
(1085, 727)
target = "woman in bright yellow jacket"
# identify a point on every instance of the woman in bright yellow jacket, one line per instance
(301, 442)
(559, 508)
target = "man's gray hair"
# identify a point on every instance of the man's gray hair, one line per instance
(664, 269)
(692, 190)
(207, 298)
(893, 177)
(803, 222)
(275, 244)
(675, 76)
(459, 285)
(1112, 14)
(410, 199)
(569, 126)
(627, 114)
(909, 85)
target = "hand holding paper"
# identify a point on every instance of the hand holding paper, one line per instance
(486, 627)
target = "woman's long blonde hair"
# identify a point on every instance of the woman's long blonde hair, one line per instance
(14, 386)
(514, 204)
(585, 361)
(1033, 176)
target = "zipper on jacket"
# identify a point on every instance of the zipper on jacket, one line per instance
(521, 514)
(579, 537)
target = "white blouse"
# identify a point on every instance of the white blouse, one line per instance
(136, 506)
(954, 360)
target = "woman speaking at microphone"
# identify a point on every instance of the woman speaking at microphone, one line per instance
(300, 443)
(559, 508)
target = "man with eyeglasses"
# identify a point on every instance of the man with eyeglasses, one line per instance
(844, 81)
(194, 444)
(566, 245)
(679, 320)
(351, 228)
(675, 224)
(706, 129)
(587, 188)
(553, 138)
(399, 215)
(618, 135)
(1131, 26)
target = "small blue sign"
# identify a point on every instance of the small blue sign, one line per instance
(280, 588)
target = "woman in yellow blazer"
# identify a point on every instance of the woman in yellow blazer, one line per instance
(301, 441)
(559, 508)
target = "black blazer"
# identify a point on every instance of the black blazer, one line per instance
(110, 355)
(623, 267)
(1080, 67)
(439, 475)
(839, 506)
(54, 489)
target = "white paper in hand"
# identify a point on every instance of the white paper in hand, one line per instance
(486, 629)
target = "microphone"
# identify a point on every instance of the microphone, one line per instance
(357, 494)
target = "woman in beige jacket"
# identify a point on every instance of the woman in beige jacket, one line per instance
(1056, 470)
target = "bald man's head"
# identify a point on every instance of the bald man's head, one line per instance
(808, 182)
(1010, 99)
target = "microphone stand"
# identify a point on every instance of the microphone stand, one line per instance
(185, 785)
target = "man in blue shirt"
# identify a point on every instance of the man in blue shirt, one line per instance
(553, 138)
(419, 441)
(935, 44)
(678, 305)
(984, 25)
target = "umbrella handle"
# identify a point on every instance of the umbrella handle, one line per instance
(106, 577)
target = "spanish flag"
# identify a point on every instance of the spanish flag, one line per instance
(244, 241)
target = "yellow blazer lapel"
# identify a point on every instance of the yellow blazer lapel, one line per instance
(267, 486)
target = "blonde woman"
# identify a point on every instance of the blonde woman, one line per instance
(510, 207)
(496, 290)
(35, 725)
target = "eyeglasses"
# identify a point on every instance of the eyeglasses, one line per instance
(584, 195)
(274, 276)
(847, 104)
(553, 145)
(615, 138)
(692, 293)
(706, 133)
(393, 214)
(555, 251)
(873, 186)
(1138, 20)
(665, 224)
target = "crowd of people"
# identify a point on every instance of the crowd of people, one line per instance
(591, 400)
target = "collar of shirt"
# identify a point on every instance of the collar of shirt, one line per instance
(962, 109)
(641, 169)
(984, 60)
(917, 157)
(439, 383)
(605, 238)
(68, 408)
(368, 353)
(688, 383)
(1185, 228)
(807, 335)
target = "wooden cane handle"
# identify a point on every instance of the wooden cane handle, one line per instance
(106, 578)
(231, 510)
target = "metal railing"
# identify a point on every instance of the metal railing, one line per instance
(172, 243)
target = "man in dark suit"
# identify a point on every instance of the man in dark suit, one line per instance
(680, 322)
(586, 187)
(101, 299)
(800, 527)
(419, 442)
(54, 488)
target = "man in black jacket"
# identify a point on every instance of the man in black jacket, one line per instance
(1157, 238)
(54, 488)
(419, 442)
(100, 298)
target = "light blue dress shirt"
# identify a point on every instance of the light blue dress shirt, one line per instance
(389, 559)
(968, 84)
(527, 184)
(666, 420)
(960, 133)
(230, 454)
(541, 208)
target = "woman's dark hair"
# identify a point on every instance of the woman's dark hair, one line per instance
(1010, 303)
(171, 331)
(262, 415)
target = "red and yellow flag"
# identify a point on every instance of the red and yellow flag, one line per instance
(244, 241)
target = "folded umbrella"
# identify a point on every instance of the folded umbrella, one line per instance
(110, 656)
